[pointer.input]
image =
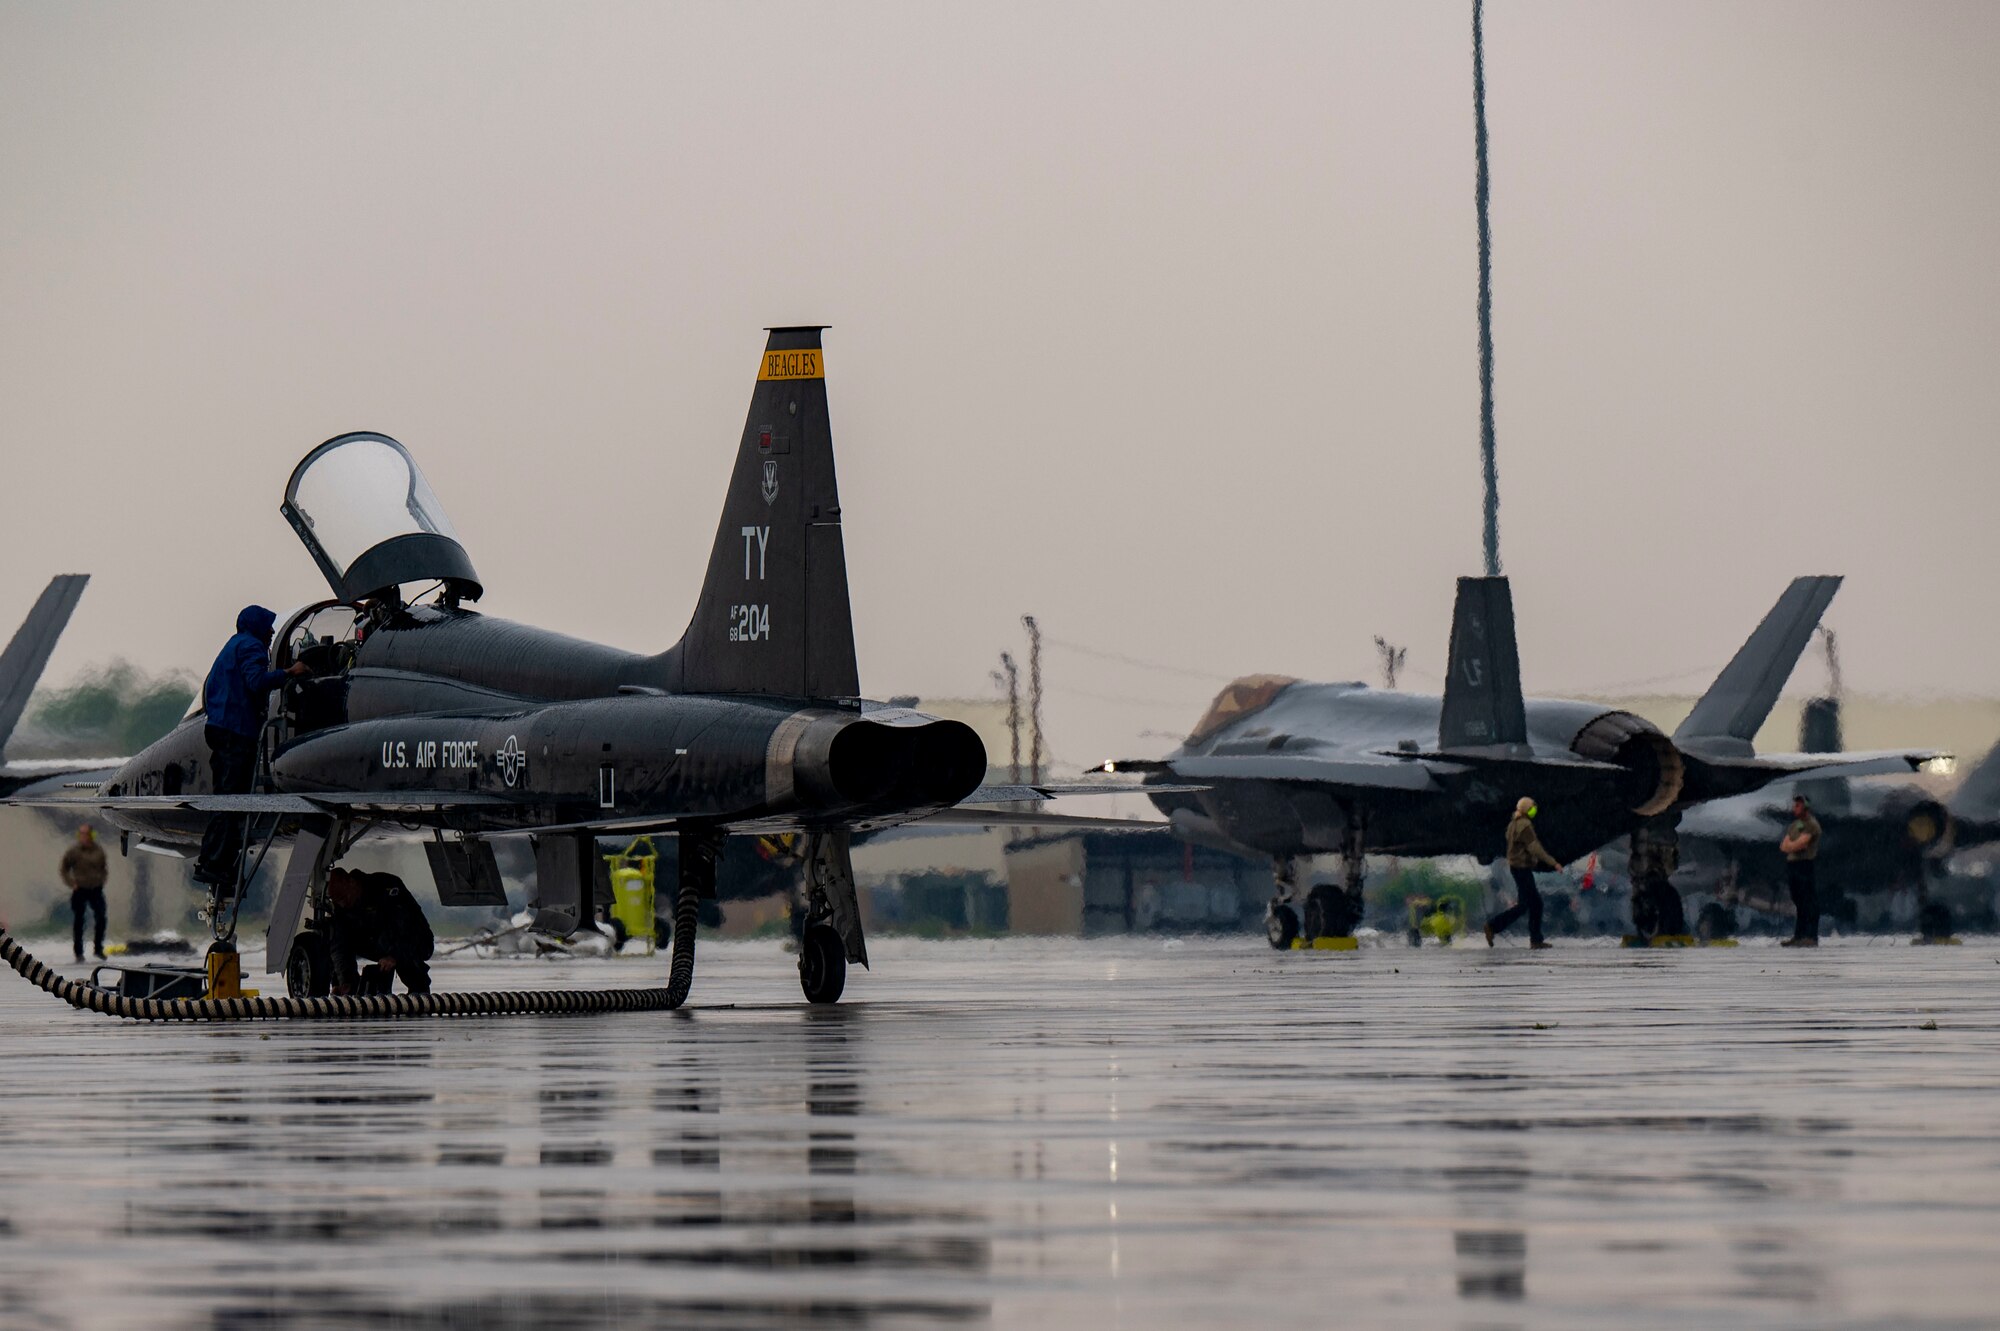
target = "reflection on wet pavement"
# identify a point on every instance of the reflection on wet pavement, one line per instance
(1045, 1134)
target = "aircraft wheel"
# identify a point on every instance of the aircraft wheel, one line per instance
(1934, 920)
(822, 964)
(1715, 921)
(309, 966)
(1281, 926)
(1330, 913)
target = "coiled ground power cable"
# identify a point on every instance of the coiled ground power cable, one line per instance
(89, 997)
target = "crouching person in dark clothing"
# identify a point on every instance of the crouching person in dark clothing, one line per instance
(375, 919)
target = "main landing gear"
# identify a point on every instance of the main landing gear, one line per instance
(831, 936)
(1331, 910)
(1656, 904)
(1281, 922)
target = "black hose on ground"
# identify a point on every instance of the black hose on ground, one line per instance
(680, 978)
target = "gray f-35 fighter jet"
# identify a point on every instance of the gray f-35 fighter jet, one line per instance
(1294, 769)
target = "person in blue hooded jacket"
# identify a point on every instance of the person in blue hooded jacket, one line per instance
(235, 700)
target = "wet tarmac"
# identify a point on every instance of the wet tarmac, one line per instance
(1041, 1134)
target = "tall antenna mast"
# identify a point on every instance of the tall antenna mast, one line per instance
(1491, 469)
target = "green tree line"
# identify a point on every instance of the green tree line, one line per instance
(112, 709)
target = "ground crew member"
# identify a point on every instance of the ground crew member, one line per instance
(1524, 852)
(1801, 847)
(235, 699)
(83, 873)
(376, 919)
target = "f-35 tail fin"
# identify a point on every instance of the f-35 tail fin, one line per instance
(1482, 693)
(1977, 798)
(27, 655)
(773, 616)
(1736, 705)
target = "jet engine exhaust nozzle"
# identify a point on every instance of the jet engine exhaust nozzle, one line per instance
(1635, 744)
(844, 762)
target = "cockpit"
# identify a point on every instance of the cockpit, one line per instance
(372, 522)
(1251, 693)
(362, 508)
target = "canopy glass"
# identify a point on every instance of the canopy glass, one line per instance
(363, 508)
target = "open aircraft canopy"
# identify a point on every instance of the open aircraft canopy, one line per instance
(371, 520)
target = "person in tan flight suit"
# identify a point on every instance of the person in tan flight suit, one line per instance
(83, 873)
(1524, 852)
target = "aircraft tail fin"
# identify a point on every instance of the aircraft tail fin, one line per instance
(1482, 693)
(27, 655)
(1737, 704)
(1977, 798)
(773, 616)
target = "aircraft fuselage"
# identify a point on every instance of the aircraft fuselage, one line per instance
(553, 731)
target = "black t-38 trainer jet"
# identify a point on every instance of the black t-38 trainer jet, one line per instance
(435, 718)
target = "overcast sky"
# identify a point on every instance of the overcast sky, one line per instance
(1155, 321)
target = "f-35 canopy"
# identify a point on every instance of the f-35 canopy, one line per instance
(371, 520)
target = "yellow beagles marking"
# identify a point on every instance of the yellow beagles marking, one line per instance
(806, 363)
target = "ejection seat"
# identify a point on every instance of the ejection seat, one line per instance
(325, 637)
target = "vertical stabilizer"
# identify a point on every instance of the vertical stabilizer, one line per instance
(1736, 705)
(1482, 691)
(1977, 798)
(21, 665)
(773, 616)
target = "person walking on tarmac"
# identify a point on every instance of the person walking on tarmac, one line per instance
(1801, 848)
(376, 919)
(1524, 852)
(83, 873)
(235, 700)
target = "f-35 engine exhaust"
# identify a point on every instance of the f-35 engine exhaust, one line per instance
(1635, 744)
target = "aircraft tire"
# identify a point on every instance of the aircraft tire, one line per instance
(1281, 926)
(822, 964)
(1330, 912)
(309, 966)
(1715, 921)
(1934, 921)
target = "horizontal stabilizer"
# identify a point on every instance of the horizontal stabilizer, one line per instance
(1879, 762)
(1737, 704)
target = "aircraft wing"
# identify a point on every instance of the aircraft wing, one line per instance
(1370, 771)
(962, 816)
(1036, 794)
(315, 803)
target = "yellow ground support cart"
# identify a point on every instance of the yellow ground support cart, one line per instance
(632, 891)
(1442, 919)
